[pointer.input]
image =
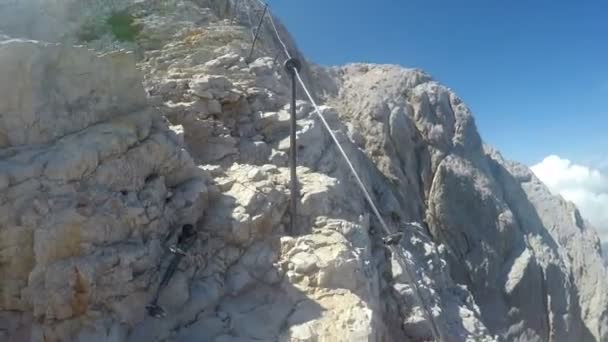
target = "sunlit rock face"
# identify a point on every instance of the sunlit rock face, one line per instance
(105, 154)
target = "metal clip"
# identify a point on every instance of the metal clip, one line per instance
(393, 239)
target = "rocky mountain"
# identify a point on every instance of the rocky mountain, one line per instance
(105, 154)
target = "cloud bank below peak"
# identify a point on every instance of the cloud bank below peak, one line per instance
(585, 186)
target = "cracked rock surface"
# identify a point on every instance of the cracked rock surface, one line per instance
(105, 153)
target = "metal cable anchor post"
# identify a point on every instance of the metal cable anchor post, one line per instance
(292, 66)
(257, 33)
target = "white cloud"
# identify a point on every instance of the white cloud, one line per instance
(585, 186)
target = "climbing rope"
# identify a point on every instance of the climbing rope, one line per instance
(397, 252)
(394, 249)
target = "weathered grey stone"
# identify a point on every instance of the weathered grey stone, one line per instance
(54, 90)
(73, 247)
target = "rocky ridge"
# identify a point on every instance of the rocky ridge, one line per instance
(97, 170)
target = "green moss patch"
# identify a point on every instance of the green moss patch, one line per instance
(123, 26)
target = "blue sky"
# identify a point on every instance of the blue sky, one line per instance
(535, 73)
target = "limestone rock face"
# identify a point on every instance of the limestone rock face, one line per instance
(514, 246)
(103, 155)
(52, 93)
(92, 180)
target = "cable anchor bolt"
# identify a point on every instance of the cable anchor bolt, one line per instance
(393, 239)
(293, 64)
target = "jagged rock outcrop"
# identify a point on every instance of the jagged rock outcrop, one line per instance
(498, 222)
(92, 180)
(97, 170)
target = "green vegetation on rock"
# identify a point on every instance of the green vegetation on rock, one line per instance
(123, 26)
(120, 24)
